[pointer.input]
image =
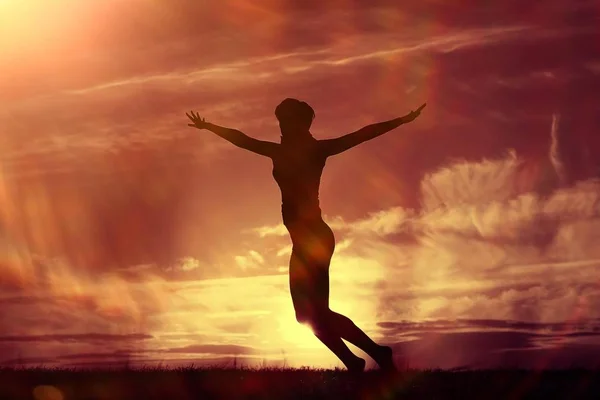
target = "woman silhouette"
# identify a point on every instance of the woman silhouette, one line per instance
(298, 161)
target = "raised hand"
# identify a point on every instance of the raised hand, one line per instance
(414, 114)
(198, 122)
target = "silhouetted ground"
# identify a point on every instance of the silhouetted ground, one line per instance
(217, 383)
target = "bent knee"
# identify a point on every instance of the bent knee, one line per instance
(303, 317)
(314, 318)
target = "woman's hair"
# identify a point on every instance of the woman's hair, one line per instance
(292, 112)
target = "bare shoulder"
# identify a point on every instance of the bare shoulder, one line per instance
(273, 147)
(325, 146)
(262, 147)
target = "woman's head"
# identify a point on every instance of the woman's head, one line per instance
(294, 116)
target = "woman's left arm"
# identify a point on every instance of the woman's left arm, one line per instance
(343, 143)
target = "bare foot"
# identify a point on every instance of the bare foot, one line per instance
(385, 359)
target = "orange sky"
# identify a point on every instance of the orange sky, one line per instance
(125, 234)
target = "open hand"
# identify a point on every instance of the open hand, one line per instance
(414, 114)
(198, 122)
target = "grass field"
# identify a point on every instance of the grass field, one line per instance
(222, 383)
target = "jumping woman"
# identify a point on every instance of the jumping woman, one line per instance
(298, 161)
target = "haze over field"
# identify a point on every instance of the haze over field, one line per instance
(469, 237)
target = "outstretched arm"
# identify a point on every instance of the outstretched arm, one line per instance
(234, 136)
(343, 143)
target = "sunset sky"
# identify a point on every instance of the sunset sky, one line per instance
(466, 238)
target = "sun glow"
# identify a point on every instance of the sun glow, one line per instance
(293, 333)
(30, 28)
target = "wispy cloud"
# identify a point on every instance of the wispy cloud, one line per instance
(555, 150)
(250, 261)
(82, 337)
(254, 70)
(593, 67)
(212, 349)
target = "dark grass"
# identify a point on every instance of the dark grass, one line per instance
(283, 384)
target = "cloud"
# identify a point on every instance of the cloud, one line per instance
(458, 349)
(251, 261)
(277, 230)
(169, 84)
(485, 343)
(380, 223)
(471, 183)
(212, 349)
(173, 362)
(46, 298)
(29, 360)
(111, 131)
(594, 67)
(82, 337)
(284, 251)
(552, 329)
(240, 71)
(184, 265)
(555, 150)
(474, 245)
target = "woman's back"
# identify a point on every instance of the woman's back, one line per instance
(297, 169)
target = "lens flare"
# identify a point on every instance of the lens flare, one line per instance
(47, 392)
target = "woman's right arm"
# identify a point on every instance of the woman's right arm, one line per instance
(235, 137)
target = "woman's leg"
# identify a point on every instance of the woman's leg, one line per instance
(348, 330)
(309, 288)
(309, 284)
(344, 326)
